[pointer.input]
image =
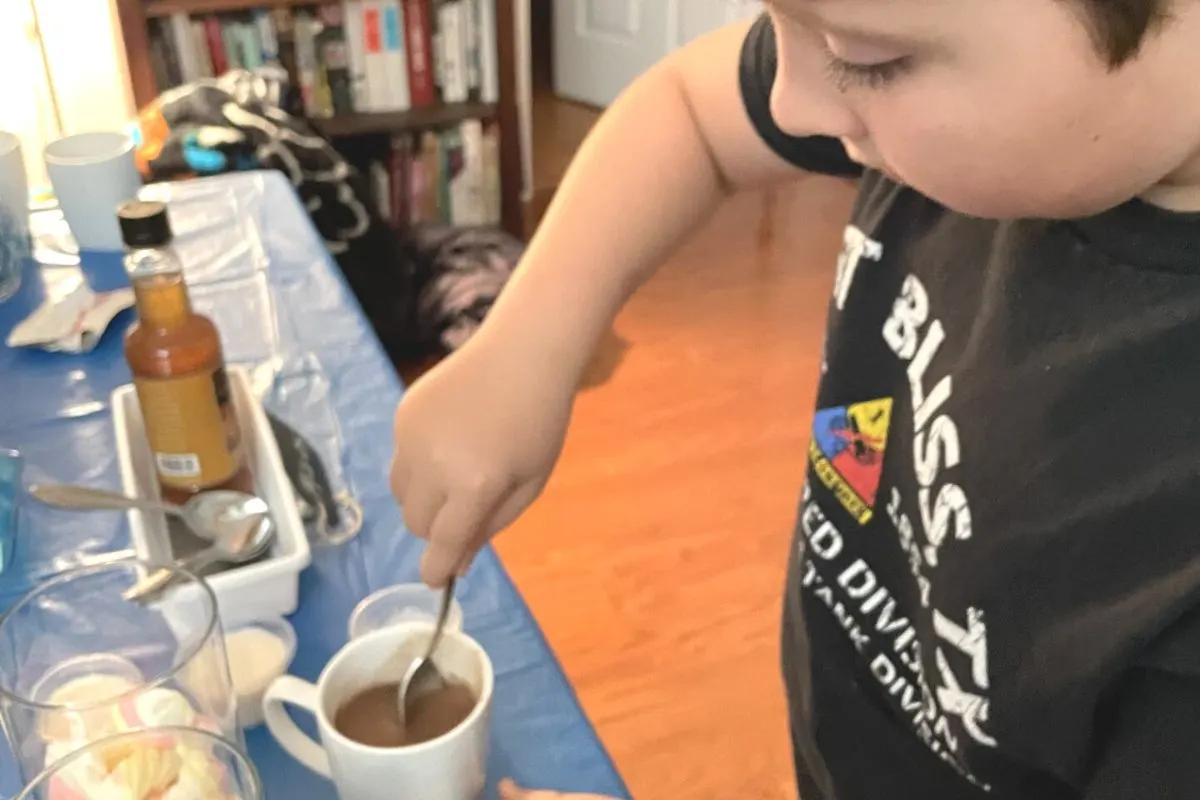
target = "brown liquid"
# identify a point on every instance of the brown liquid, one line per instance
(372, 719)
(172, 341)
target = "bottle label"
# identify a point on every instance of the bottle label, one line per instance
(192, 428)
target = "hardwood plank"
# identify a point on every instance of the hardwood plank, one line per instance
(559, 127)
(436, 116)
(655, 558)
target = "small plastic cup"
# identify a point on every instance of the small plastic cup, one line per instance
(405, 602)
(250, 671)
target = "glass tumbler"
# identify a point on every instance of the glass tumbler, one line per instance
(154, 762)
(78, 662)
(14, 214)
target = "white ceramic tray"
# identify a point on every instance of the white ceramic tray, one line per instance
(262, 589)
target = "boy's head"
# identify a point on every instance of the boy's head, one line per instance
(1002, 108)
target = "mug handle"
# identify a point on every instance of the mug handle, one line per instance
(288, 690)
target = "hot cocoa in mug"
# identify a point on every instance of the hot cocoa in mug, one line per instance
(372, 717)
(442, 755)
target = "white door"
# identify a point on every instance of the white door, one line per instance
(601, 46)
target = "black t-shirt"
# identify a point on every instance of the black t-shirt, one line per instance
(995, 589)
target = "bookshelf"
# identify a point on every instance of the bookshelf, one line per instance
(164, 8)
(136, 17)
(417, 119)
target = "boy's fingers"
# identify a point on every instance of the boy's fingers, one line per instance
(510, 791)
(451, 538)
(397, 477)
(420, 506)
(438, 564)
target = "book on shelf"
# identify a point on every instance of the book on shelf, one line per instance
(343, 56)
(419, 30)
(449, 176)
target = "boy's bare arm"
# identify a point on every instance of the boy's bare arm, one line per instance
(477, 437)
(654, 168)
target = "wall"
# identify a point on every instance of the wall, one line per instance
(86, 69)
(25, 105)
(523, 32)
(87, 63)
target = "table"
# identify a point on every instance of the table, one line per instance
(258, 267)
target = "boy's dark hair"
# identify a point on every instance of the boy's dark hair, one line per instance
(1121, 26)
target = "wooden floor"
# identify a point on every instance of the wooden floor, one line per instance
(654, 561)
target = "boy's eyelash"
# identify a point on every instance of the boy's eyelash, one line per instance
(845, 74)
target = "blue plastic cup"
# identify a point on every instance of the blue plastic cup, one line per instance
(10, 484)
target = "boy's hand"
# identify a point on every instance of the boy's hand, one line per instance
(476, 439)
(510, 791)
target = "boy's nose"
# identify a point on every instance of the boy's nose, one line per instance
(803, 103)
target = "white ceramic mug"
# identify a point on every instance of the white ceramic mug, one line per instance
(451, 767)
(92, 174)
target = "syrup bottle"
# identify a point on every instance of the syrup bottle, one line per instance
(178, 368)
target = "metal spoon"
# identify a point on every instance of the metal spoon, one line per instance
(423, 675)
(240, 540)
(203, 514)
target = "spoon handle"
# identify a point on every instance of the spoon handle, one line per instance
(443, 615)
(161, 578)
(151, 585)
(83, 498)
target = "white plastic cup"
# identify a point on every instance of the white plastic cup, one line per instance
(14, 214)
(92, 174)
(404, 602)
(250, 688)
(450, 767)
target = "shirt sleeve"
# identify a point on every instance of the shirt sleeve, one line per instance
(758, 65)
(1152, 746)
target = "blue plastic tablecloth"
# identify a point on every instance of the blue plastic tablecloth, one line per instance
(257, 266)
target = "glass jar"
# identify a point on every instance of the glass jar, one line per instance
(79, 662)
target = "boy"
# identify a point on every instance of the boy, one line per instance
(995, 587)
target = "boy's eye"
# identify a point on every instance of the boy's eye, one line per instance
(860, 64)
(846, 74)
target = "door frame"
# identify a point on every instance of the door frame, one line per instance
(522, 30)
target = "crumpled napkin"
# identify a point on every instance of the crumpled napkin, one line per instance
(72, 323)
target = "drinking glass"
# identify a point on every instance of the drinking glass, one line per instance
(14, 214)
(79, 662)
(146, 761)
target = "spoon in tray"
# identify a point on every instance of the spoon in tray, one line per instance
(206, 514)
(238, 542)
(423, 675)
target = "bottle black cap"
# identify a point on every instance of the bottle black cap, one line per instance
(144, 223)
